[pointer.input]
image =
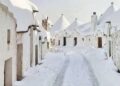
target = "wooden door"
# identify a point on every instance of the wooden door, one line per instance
(8, 72)
(19, 61)
(99, 42)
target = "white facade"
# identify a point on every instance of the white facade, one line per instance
(30, 48)
(7, 47)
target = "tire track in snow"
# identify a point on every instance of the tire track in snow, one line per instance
(91, 73)
(60, 77)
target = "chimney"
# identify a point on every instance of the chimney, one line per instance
(94, 21)
(45, 23)
(108, 27)
(112, 3)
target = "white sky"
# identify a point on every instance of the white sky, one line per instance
(82, 9)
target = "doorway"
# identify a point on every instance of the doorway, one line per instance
(64, 41)
(19, 61)
(58, 42)
(99, 42)
(8, 72)
(75, 41)
(36, 54)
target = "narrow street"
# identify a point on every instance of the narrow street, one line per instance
(70, 67)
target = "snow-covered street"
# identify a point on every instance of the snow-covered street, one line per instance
(59, 43)
(70, 66)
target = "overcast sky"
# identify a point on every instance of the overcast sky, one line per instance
(82, 9)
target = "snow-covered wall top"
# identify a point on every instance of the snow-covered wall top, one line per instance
(22, 10)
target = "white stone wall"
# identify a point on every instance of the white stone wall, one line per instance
(7, 21)
(24, 38)
(116, 49)
(26, 51)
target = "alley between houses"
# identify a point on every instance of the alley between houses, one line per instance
(68, 66)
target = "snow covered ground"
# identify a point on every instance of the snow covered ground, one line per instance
(68, 66)
(103, 68)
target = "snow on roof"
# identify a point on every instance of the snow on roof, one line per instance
(22, 10)
(73, 26)
(106, 15)
(115, 22)
(85, 29)
(115, 18)
(61, 24)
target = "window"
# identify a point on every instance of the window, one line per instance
(8, 36)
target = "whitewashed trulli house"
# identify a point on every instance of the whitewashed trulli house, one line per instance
(27, 31)
(113, 40)
(94, 33)
(71, 34)
(28, 46)
(86, 35)
(102, 26)
(60, 25)
(7, 47)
